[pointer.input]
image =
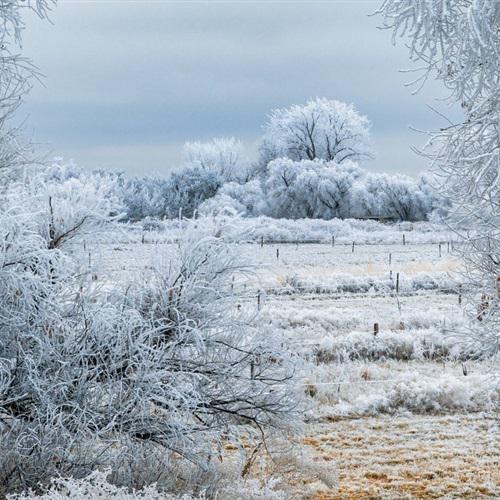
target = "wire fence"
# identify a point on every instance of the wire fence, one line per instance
(288, 242)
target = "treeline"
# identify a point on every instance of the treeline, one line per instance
(308, 167)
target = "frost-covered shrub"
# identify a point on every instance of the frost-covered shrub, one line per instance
(401, 345)
(233, 198)
(93, 376)
(95, 486)
(98, 485)
(63, 209)
(247, 229)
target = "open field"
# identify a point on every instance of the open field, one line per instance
(397, 410)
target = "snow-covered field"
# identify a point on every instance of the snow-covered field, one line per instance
(398, 409)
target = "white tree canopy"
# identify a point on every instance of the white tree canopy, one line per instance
(223, 157)
(320, 129)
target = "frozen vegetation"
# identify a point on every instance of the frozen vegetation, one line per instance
(240, 330)
(323, 302)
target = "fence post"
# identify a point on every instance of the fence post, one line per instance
(404, 239)
(459, 295)
(390, 258)
(353, 247)
(397, 282)
(375, 329)
(333, 240)
(439, 249)
(262, 242)
(258, 300)
(277, 254)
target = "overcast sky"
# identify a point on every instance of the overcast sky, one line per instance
(128, 82)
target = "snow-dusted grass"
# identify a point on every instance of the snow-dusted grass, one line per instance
(272, 230)
(323, 317)
(410, 456)
(401, 345)
(354, 389)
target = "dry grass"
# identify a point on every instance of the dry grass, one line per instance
(410, 457)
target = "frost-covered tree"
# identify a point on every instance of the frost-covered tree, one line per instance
(146, 197)
(320, 129)
(188, 188)
(207, 167)
(458, 43)
(180, 194)
(223, 157)
(317, 189)
(16, 74)
(311, 189)
(399, 198)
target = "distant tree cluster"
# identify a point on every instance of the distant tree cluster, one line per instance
(307, 167)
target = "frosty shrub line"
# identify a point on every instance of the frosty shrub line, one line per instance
(290, 189)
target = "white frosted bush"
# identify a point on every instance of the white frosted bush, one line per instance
(94, 486)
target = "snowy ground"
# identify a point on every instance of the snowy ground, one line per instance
(401, 414)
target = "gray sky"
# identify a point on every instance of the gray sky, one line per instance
(128, 82)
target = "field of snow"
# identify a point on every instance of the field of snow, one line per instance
(398, 409)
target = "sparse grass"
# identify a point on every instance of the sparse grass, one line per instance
(411, 456)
